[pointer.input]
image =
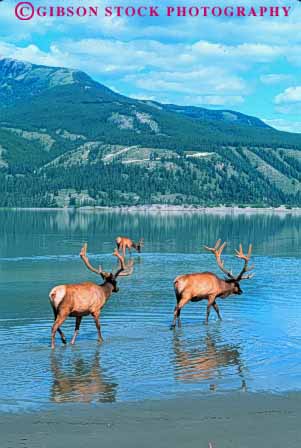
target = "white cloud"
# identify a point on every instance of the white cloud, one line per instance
(241, 56)
(275, 78)
(142, 97)
(284, 125)
(193, 60)
(98, 56)
(290, 95)
(13, 30)
(214, 100)
(33, 54)
(268, 31)
(208, 80)
(209, 73)
(149, 67)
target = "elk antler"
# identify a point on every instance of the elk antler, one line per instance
(246, 258)
(124, 270)
(217, 251)
(84, 257)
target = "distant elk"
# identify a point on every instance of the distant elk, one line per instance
(208, 286)
(124, 244)
(81, 299)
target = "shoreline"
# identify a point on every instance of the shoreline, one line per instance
(157, 208)
(233, 420)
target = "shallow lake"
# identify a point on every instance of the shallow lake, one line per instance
(257, 346)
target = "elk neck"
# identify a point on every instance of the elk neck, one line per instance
(107, 287)
(227, 287)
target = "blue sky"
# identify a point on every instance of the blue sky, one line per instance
(252, 65)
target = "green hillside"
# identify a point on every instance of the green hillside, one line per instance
(68, 140)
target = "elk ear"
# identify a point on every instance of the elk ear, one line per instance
(229, 280)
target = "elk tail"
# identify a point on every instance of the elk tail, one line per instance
(118, 241)
(52, 294)
(56, 295)
(177, 293)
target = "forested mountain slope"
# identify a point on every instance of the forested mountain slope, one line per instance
(68, 140)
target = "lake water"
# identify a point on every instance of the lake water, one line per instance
(257, 346)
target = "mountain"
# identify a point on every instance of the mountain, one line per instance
(22, 80)
(201, 113)
(67, 139)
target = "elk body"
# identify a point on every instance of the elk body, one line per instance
(208, 286)
(124, 244)
(83, 299)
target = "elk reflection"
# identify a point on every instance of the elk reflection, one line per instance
(80, 380)
(205, 360)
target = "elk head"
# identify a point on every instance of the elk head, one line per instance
(108, 277)
(140, 244)
(230, 278)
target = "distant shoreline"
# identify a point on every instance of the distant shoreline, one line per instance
(162, 208)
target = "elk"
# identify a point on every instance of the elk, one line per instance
(81, 299)
(124, 243)
(208, 286)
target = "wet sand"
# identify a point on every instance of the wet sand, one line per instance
(238, 420)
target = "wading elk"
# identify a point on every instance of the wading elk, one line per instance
(124, 243)
(81, 299)
(208, 286)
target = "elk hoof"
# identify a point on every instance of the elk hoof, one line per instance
(64, 341)
(100, 340)
(172, 327)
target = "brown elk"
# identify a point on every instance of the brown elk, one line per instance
(124, 244)
(208, 286)
(81, 299)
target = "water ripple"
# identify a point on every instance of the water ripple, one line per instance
(255, 347)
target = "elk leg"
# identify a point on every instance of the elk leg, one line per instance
(76, 330)
(58, 322)
(179, 319)
(97, 323)
(63, 338)
(177, 312)
(175, 316)
(215, 306)
(207, 313)
(211, 301)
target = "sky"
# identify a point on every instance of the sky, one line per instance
(248, 64)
